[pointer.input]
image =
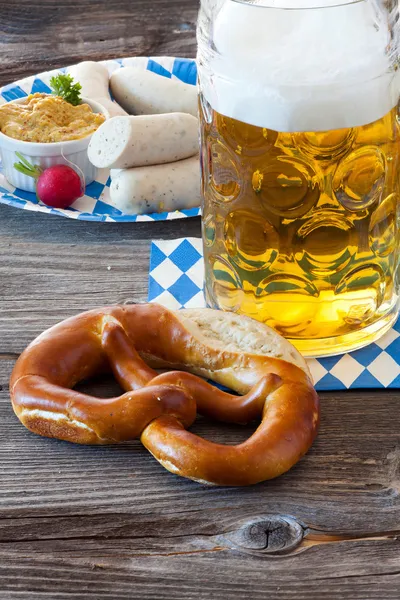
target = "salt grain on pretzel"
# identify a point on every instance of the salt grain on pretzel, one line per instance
(232, 350)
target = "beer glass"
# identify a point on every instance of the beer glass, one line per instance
(300, 166)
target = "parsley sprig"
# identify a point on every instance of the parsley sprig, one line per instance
(64, 86)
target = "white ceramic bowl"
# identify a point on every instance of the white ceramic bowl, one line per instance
(47, 155)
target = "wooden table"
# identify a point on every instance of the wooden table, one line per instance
(110, 523)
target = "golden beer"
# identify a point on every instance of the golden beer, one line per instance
(301, 229)
(300, 161)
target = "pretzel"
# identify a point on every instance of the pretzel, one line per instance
(132, 341)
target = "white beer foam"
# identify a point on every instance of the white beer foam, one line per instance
(301, 70)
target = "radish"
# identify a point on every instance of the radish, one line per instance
(58, 186)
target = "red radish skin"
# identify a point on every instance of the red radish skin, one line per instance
(59, 186)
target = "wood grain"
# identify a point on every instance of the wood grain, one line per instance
(109, 523)
(349, 482)
(50, 34)
(67, 266)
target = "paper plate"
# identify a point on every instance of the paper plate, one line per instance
(94, 206)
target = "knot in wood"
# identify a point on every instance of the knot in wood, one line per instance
(267, 535)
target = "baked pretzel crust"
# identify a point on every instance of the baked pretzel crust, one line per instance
(159, 409)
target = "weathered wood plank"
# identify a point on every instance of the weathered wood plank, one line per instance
(346, 570)
(110, 523)
(74, 508)
(349, 482)
(52, 268)
(27, 227)
(55, 34)
(82, 523)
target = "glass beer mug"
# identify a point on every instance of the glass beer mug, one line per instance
(300, 166)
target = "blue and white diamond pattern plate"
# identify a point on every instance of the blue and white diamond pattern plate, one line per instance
(176, 281)
(95, 205)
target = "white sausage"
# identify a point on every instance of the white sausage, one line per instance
(143, 92)
(124, 142)
(163, 188)
(94, 80)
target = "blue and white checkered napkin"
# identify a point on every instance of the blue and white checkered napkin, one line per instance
(176, 281)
